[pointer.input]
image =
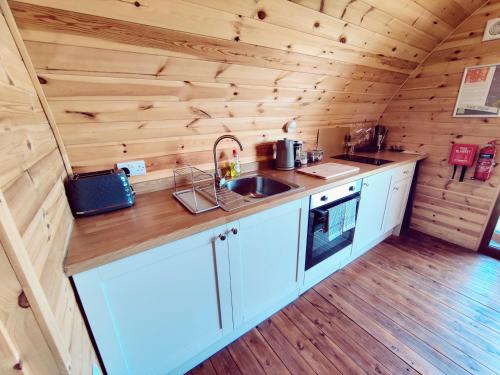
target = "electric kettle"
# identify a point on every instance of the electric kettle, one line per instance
(285, 158)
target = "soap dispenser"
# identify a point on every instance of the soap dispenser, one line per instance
(235, 167)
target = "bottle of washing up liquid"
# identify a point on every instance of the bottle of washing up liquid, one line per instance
(235, 167)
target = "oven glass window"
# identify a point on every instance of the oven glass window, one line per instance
(331, 229)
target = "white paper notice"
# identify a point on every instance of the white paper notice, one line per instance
(478, 94)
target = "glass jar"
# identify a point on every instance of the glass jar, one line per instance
(303, 159)
(319, 154)
(312, 156)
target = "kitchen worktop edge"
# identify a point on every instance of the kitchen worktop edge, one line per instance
(157, 218)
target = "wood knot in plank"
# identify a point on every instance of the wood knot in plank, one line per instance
(22, 301)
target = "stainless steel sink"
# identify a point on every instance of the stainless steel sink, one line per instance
(258, 186)
(253, 188)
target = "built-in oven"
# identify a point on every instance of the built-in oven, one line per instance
(332, 220)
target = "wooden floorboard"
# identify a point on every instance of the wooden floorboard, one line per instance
(244, 358)
(423, 308)
(427, 328)
(450, 297)
(411, 305)
(266, 356)
(223, 363)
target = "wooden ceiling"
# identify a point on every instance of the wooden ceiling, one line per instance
(159, 81)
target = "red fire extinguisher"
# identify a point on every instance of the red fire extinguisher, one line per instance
(485, 162)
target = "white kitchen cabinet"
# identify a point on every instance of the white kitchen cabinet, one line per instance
(372, 206)
(166, 309)
(263, 256)
(152, 311)
(396, 203)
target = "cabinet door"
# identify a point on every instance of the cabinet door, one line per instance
(396, 204)
(369, 224)
(263, 256)
(152, 311)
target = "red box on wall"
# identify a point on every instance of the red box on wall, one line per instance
(462, 154)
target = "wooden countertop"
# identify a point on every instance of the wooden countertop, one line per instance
(157, 218)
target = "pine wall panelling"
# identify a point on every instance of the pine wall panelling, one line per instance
(161, 81)
(135, 79)
(35, 221)
(22, 345)
(420, 117)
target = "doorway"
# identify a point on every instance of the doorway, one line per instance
(490, 244)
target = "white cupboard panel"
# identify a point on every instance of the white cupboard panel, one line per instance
(154, 310)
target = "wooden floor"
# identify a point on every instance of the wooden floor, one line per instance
(411, 305)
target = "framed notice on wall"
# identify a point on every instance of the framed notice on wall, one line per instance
(479, 94)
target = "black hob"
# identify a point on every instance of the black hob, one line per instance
(362, 159)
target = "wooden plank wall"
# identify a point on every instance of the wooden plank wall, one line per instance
(420, 117)
(161, 81)
(35, 223)
(23, 348)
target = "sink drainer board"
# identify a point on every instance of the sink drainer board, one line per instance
(201, 199)
(328, 170)
(229, 200)
(199, 193)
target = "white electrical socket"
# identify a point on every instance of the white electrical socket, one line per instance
(136, 167)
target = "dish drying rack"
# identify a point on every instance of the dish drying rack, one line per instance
(202, 194)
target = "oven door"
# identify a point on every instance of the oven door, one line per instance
(324, 241)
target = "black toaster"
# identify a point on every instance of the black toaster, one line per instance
(98, 192)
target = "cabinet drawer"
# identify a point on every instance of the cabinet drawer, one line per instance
(404, 171)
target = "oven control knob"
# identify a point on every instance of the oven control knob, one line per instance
(324, 198)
